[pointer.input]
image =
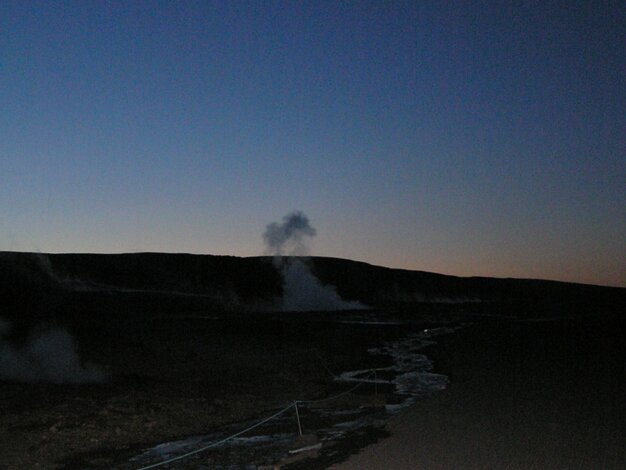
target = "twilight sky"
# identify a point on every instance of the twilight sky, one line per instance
(465, 138)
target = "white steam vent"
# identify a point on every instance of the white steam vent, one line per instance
(47, 356)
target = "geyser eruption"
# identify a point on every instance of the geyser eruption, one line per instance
(46, 356)
(302, 291)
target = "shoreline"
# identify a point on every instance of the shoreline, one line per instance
(521, 395)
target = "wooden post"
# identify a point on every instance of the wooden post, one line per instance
(375, 384)
(298, 418)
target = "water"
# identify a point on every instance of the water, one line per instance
(375, 395)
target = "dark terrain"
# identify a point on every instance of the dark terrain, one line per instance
(522, 395)
(69, 285)
(191, 343)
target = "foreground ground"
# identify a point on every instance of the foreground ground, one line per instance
(523, 395)
(172, 378)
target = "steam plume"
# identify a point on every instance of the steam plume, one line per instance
(47, 356)
(290, 236)
(302, 291)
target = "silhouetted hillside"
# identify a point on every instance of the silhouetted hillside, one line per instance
(381, 286)
(38, 285)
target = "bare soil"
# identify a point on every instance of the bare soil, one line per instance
(171, 378)
(522, 395)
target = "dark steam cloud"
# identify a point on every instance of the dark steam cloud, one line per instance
(288, 237)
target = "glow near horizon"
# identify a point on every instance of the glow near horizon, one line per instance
(462, 139)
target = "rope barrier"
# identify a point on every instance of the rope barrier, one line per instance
(217, 443)
(334, 397)
(323, 363)
(260, 423)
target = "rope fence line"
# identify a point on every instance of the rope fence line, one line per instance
(323, 363)
(334, 397)
(221, 441)
(294, 404)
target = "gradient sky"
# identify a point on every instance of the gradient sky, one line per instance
(465, 138)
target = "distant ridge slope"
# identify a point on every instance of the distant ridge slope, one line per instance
(385, 286)
(35, 284)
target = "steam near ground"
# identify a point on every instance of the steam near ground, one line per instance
(302, 291)
(48, 355)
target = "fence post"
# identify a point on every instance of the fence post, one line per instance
(375, 383)
(298, 418)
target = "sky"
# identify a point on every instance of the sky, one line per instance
(466, 138)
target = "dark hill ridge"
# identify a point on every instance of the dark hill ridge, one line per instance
(35, 284)
(377, 285)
